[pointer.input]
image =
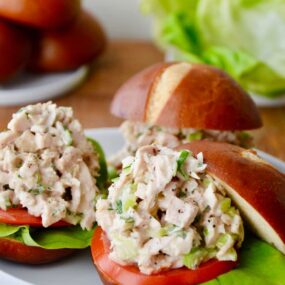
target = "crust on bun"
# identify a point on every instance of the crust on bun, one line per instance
(44, 14)
(16, 251)
(184, 95)
(256, 187)
(69, 48)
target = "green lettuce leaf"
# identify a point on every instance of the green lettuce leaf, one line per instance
(260, 264)
(246, 38)
(48, 238)
(103, 172)
(7, 230)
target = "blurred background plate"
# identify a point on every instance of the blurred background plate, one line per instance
(262, 101)
(29, 88)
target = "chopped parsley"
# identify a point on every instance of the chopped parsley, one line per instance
(119, 207)
(180, 162)
(38, 190)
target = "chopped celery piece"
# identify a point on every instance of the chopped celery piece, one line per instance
(166, 230)
(212, 252)
(225, 205)
(126, 248)
(40, 188)
(163, 232)
(195, 257)
(38, 177)
(74, 218)
(206, 232)
(68, 136)
(8, 203)
(206, 182)
(232, 211)
(231, 254)
(223, 239)
(195, 136)
(129, 203)
(129, 199)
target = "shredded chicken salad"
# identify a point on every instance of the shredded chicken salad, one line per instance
(164, 211)
(138, 134)
(48, 166)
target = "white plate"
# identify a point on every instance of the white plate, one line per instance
(262, 101)
(115, 18)
(29, 88)
(78, 269)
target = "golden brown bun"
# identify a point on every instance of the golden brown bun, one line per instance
(16, 251)
(45, 14)
(182, 95)
(255, 186)
(15, 49)
(69, 48)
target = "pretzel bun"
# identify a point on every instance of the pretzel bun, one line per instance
(184, 95)
(15, 49)
(69, 48)
(44, 14)
(16, 251)
(256, 187)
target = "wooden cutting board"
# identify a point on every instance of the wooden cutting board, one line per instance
(122, 59)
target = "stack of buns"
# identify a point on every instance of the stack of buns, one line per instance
(46, 36)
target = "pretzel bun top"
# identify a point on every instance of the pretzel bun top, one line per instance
(255, 186)
(183, 95)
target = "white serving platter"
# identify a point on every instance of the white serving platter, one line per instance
(78, 269)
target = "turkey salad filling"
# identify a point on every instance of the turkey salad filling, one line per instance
(48, 166)
(164, 211)
(138, 134)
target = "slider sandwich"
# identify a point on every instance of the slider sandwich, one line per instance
(173, 103)
(50, 176)
(206, 212)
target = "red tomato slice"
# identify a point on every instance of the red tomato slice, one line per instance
(20, 217)
(114, 273)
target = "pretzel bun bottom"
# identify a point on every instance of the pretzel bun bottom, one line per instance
(16, 251)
